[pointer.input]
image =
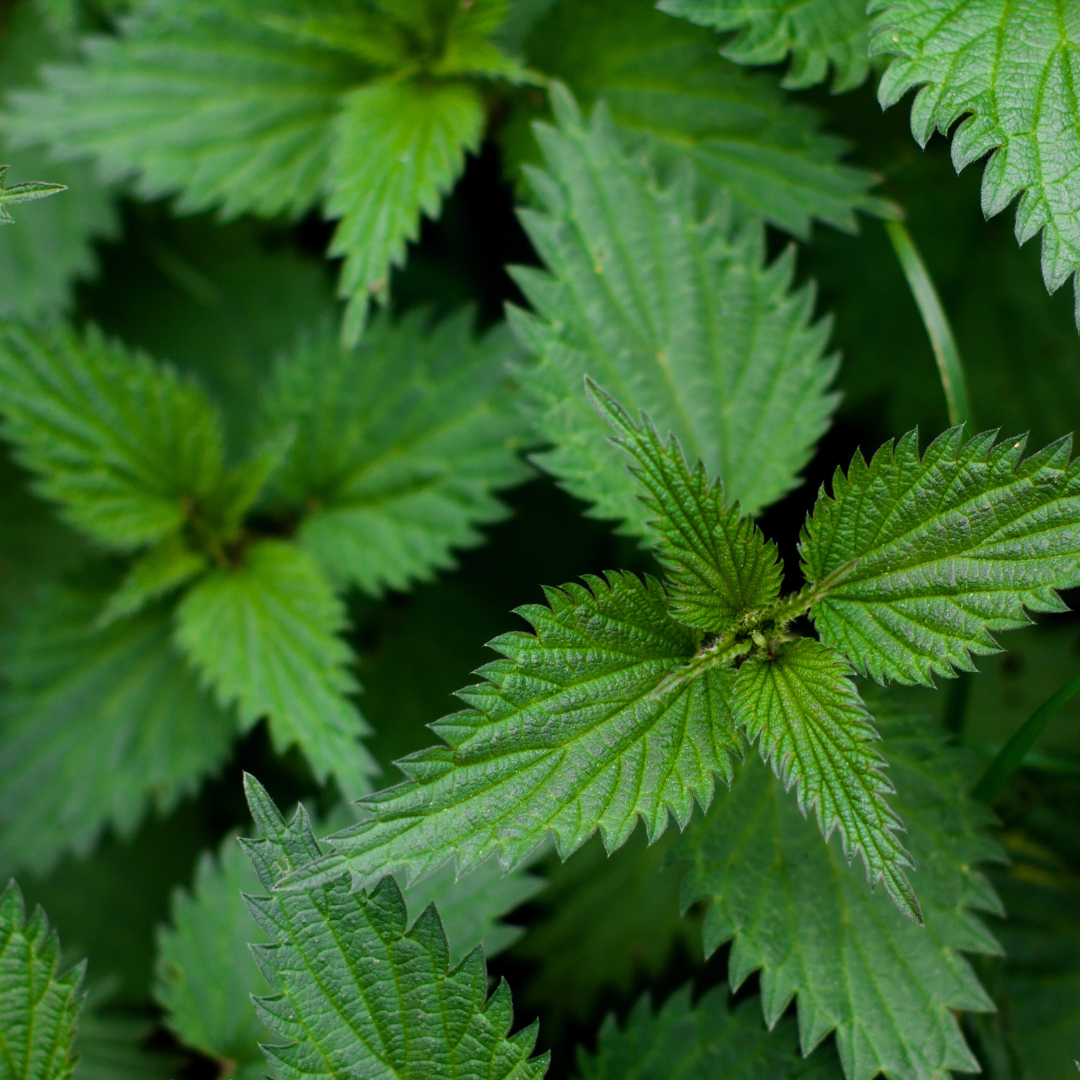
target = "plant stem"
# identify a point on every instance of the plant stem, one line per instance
(1011, 755)
(946, 353)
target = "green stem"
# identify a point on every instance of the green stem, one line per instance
(947, 355)
(1012, 754)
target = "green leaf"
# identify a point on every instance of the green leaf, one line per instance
(913, 562)
(264, 635)
(25, 192)
(816, 34)
(701, 1042)
(400, 146)
(400, 443)
(718, 565)
(98, 726)
(127, 447)
(579, 728)
(39, 1007)
(1010, 71)
(606, 923)
(111, 1043)
(793, 908)
(205, 975)
(164, 568)
(803, 710)
(639, 283)
(667, 86)
(355, 992)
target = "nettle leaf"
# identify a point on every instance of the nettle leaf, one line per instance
(914, 561)
(638, 285)
(399, 149)
(793, 908)
(579, 728)
(1010, 69)
(700, 1042)
(263, 109)
(205, 975)
(39, 1006)
(355, 992)
(718, 564)
(28, 191)
(667, 86)
(264, 635)
(816, 34)
(127, 447)
(803, 710)
(97, 726)
(400, 443)
(111, 1044)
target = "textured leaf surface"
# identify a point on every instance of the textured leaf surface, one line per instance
(205, 975)
(794, 909)
(39, 1006)
(264, 635)
(638, 289)
(400, 443)
(1011, 69)
(930, 555)
(358, 995)
(399, 148)
(572, 732)
(701, 1042)
(816, 34)
(666, 83)
(98, 727)
(126, 447)
(803, 710)
(718, 565)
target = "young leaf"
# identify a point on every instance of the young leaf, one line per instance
(701, 1042)
(1009, 70)
(812, 727)
(98, 726)
(718, 565)
(263, 634)
(128, 448)
(25, 192)
(667, 87)
(794, 909)
(205, 976)
(400, 443)
(638, 284)
(579, 728)
(165, 567)
(355, 992)
(914, 561)
(39, 1007)
(399, 148)
(817, 35)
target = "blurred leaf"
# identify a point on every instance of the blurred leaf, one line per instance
(111, 1043)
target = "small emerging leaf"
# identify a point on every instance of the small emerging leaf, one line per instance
(26, 192)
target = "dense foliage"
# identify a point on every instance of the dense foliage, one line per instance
(337, 330)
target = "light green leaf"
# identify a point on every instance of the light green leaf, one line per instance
(400, 443)
(666, 85)
(205, 975)
(164, 568)
(470, 908)
(197, 98)
(816, 34)
(575, 730)
(263, 634)
(803, 710)
(793, 908)
(127, 447)
(702, 1042)
(29, 191)
(356, 993)
(1010, 69)
(399, 148)
(39, 1007)
(914, 561)
(718, 565)
(98, 726)
(638, 286)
